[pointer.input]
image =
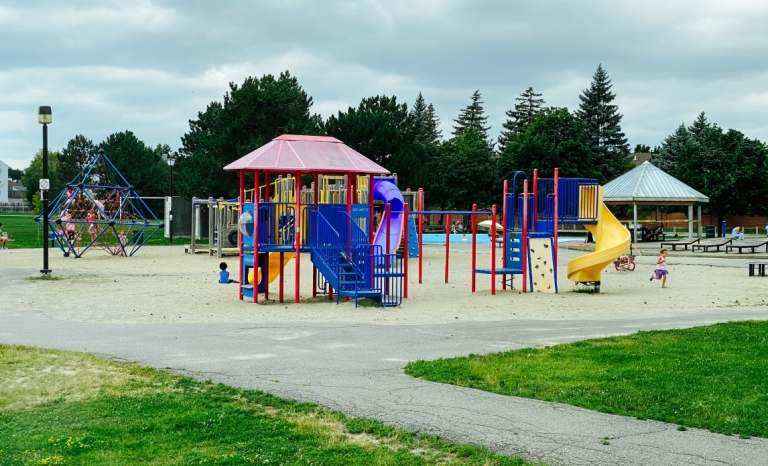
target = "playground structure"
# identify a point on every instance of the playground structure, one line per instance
(529, 239)
(221, 226)
(353, 248)
(333, 220)
(100, 209)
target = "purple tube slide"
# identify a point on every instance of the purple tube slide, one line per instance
(388, 193)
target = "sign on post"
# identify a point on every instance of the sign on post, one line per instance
(45, 184)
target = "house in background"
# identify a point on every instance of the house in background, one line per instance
(637, 158)
(3, 182)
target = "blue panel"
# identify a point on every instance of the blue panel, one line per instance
(247, 266)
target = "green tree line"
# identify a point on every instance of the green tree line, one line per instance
(456, 171)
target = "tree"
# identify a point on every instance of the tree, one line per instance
(426, 121)
(473, 116)
(675, 144)
(382, 130)
(139, 164)
(728, 168)
(554, 139)
(15, 174)
(641, 149)
(34, 172)
(250, 116)
(529, 104)
(468, 171)
(79, 151)
(602, 122)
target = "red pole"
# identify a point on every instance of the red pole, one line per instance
(504, 229)
(405, 250)
(493, 250)
(554, 215)
(447, 243)
(315, 198)
(421, 232)
(474, 243)
(255, 241)
(257, 192)
(371, 213)
(240, 236)
(297, 223)
(524, 240)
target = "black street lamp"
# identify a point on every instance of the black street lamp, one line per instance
(44, 118)
(171, 158)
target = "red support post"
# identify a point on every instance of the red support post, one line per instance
(474, 243)
(447, 243)
(421, 232)
(405, 250)
(555, 220)
(243, 277)
(256, 241)
(493, 250)
(315, 201)
(524, 239)
(257, 192)
(297, 236)
(504, 225)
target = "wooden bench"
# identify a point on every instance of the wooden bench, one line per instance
(711, 243)
(760, 268)
(681, 242)
(752, 245)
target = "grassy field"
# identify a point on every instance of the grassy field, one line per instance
(25, 232)
(65, 408)
(712, 377)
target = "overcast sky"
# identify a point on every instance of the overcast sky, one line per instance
(150, 66)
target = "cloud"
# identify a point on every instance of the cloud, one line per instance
(150, 66)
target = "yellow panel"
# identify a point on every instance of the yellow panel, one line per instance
(542, 265)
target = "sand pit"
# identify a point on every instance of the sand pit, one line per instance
(162, 284)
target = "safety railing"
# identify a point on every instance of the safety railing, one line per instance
(325, 243)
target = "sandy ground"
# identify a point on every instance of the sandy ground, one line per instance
(163, 284)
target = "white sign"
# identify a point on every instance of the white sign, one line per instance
(45, 184)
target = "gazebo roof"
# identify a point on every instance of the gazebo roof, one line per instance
(292, 153)
(647, 184)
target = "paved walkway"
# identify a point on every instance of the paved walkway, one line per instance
(357, 369)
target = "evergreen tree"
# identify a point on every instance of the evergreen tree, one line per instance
(529, 104)
(641, 149)
(79, 151)
(675, 144)
(698, 130)
(602, 121)
(473, 116)
(426, 121)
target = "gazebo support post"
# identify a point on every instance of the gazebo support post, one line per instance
(634, 224)
(699, 217)
(690, 221)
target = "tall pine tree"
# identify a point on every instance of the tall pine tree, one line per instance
(426, 121)
(602, 121)
(675, 144)
(529, 104)
(473, 116)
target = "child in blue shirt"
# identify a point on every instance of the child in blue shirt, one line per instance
(224, 275)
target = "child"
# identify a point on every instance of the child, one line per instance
(3, 238)
(123, 240)
(224, 275)
(661, 268)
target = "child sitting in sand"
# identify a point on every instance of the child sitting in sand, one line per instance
(661, 268)
(224, 275)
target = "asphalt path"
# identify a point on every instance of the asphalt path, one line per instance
(356, 369)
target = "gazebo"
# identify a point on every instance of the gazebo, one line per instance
(648, 185)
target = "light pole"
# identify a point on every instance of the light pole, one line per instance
(171, 158)
(44, 118)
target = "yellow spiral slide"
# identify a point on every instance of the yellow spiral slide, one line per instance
(612, 239)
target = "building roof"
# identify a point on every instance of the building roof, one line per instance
(647, 184)
(292, 153)
(637, 158)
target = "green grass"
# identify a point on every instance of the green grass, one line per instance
(713, 377)
(25, 232)
(66, 408)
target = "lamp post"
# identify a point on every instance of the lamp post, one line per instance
(44, 118)
(171, 158)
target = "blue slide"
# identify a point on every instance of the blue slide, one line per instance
(386, 192)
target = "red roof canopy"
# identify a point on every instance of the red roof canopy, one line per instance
(291, 153)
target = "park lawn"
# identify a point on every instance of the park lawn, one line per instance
(25, 232)
(67, 408)
(713, 377)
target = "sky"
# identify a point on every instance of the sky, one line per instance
(150, 66)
